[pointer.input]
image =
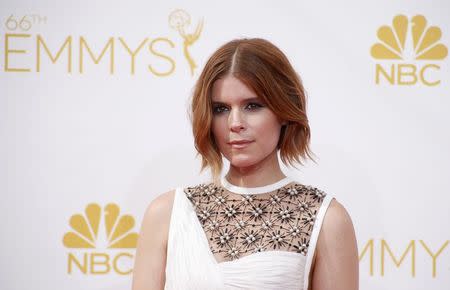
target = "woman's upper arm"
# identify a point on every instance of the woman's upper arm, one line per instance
(337, 264)
(151, 251)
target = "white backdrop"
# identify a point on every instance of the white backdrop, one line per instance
(100, 134)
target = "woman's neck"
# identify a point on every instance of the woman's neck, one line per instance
(265, 172)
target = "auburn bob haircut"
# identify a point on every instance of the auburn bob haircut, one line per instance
(265, 69)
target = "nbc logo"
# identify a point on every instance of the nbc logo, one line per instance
(87, 236)
(411, 51)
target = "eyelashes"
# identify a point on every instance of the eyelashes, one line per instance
(220, 108)
(254, 106)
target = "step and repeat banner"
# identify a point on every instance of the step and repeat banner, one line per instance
(94, 99)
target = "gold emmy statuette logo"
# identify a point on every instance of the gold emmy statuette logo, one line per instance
(408, 41)
(86, 234)
(180, 20)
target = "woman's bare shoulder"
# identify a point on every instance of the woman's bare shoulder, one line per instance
(160, 207)
(336, 249)
(337, 219)
(163, 201)
(337, 214)
(151, 248)
(337, 230)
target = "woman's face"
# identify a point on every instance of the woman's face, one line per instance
(245, 129)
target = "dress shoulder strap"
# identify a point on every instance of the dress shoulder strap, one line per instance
(189, 263)
(314, 237)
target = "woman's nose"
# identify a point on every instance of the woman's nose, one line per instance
(236, 121)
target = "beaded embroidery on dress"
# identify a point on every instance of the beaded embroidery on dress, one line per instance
(238, 225)
(226, 237)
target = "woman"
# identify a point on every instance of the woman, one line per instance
(253, 228)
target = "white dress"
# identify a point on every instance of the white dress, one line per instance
(200, 258)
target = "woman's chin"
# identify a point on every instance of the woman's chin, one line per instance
(242, 162)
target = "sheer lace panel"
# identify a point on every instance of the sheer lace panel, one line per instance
(237, 225)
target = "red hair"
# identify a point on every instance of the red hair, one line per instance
(265, 69)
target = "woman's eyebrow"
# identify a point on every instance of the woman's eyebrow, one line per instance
(245, 100)
(253, 99)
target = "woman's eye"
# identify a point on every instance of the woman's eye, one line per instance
(219, 109)
(253, 106)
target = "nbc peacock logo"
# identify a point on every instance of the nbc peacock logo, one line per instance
(411, 52)
(96, 230)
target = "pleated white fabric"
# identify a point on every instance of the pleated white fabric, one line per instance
(191, 265)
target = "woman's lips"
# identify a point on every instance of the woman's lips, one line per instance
(239, 144)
